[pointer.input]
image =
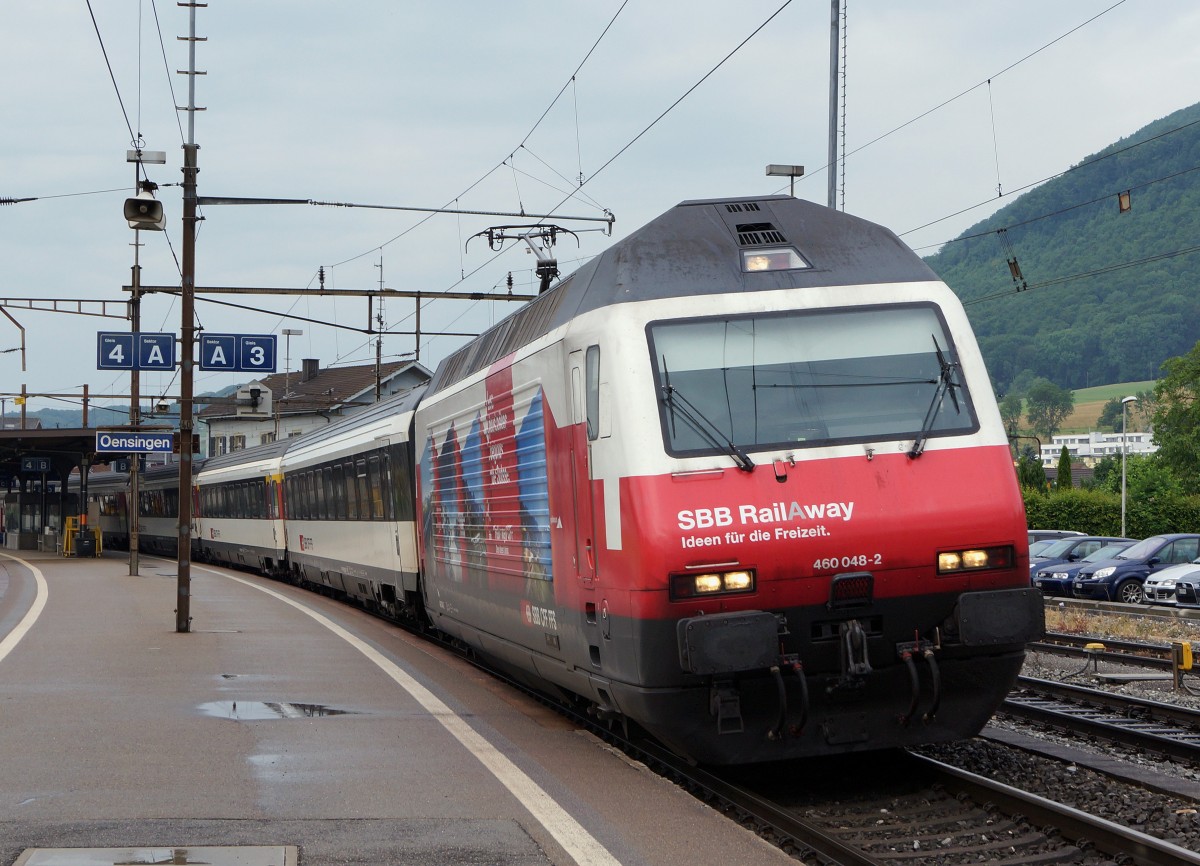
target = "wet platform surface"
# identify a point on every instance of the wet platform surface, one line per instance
(287, 719)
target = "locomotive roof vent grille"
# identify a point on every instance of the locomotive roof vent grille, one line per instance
(736, 207)
(759, 235)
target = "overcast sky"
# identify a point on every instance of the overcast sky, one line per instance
(435, 104)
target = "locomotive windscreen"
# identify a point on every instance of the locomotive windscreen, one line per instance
(806, 378)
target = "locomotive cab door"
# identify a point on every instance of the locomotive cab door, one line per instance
(584, 430)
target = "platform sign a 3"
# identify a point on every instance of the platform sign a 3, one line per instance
(239, 353)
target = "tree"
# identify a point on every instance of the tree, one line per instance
(1063, 479)
(1145, 406)
(1031, 474)
(1011, 408)
(1177, 418)
(1146, 477)
(1047, 406)
(1110, 416)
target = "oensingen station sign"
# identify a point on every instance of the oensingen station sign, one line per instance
(126, 442)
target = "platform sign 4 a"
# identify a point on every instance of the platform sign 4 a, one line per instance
(135, 350)
(239, 353)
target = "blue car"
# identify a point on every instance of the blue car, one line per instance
(1057, 579)
(1071, 549)
(1121, 578)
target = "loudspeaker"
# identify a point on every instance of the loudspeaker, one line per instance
(144, 212)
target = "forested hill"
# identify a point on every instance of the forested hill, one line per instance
(1110, 295)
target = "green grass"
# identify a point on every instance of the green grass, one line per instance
(1104, 393)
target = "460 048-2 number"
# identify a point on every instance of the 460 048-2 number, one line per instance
(861, 560)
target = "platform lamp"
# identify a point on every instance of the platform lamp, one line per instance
(788, 171)
(288, 333)
(1125, 401)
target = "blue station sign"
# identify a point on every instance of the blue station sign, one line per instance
(118, 442)
(35, 464)
(135, 350)
(238, 353)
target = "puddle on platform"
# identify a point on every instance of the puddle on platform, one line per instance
(248, 711)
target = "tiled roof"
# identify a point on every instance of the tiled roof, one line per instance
(327, 391)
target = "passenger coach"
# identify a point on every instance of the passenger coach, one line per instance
(349, 504)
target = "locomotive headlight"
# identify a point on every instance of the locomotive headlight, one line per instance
(737, 581)
(711, 583)
(772, 259)
(974, 559)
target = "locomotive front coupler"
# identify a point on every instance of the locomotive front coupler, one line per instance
(856, 665)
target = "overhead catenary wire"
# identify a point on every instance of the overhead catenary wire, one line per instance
(1065, 172)
(111, 75)
(1107, 269)
(961, 94)
(526, 137)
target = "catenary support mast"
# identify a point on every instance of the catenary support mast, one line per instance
(183, 608)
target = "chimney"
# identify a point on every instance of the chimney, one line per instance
(311, 366)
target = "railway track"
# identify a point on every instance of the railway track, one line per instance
(903, 808)
(1157, 656)
(1144, 726)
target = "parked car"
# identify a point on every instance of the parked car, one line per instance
(1042, 534)
(1038, 547)
(1057, 579)
(1121, 578)
(1071, 549)
(1187, 591)
(1159, 587)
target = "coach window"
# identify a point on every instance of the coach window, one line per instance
(385, 481)
(593, 392)
(351, 490)
(337, 473)
(364, 491)
(325, 495)
(401, 483)
(306, 498)
(375, 480)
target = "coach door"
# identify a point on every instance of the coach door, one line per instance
(584, 369)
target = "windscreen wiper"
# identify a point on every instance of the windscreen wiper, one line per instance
(945, 383)
(697, 420)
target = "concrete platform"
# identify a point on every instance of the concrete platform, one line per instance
(287, 719)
